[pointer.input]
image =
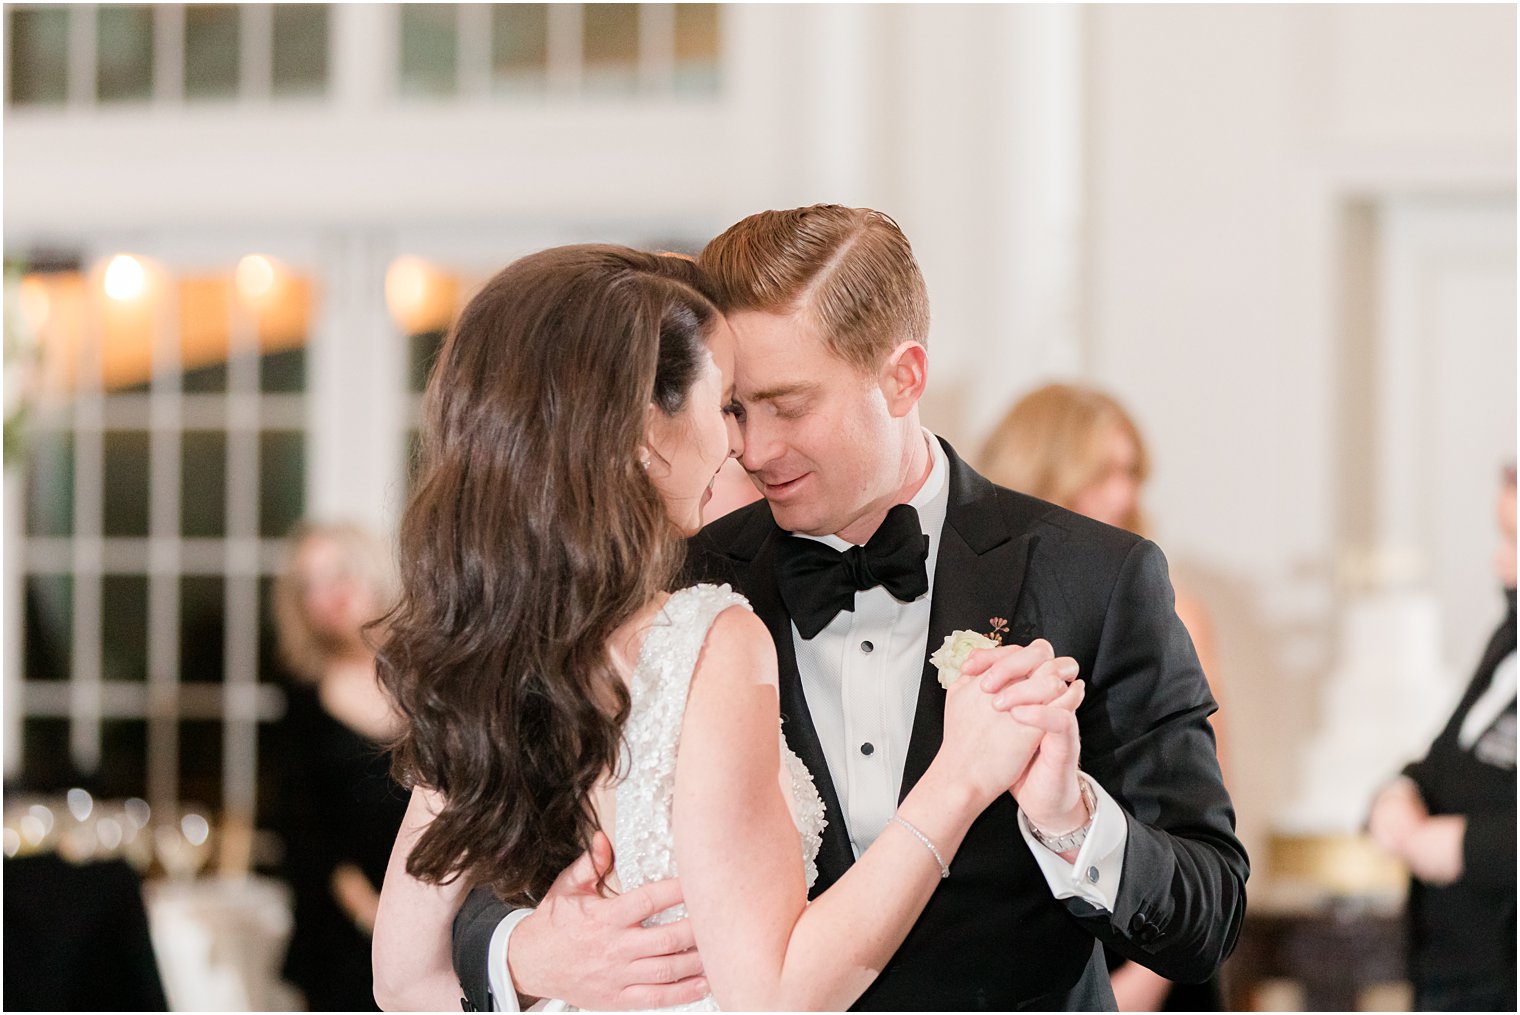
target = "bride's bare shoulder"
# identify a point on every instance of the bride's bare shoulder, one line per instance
(738, 648)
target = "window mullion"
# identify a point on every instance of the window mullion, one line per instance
(89, 524)
(473, 68)
(240, 659)
(83, 42)
(657, 47)
(169, 54)
(164, 562)
(256, 52)
(565, 28)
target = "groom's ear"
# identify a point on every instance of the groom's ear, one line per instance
(904, 376)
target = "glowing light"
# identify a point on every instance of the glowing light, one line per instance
(33, 830)
(42, 816)
(196, 828)
(407, 281)
(110, 833)
(125, 278)
(34, 301)
(80, 804)
(255, 277)
(12, 842)
(138, 811)
(420, 296)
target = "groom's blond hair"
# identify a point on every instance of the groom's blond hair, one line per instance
(850, 269)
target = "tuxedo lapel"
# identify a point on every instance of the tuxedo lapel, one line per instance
(835, 854)
(978, 574)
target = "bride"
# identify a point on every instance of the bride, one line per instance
(554, 691)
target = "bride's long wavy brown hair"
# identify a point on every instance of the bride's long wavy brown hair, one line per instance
(532, 535)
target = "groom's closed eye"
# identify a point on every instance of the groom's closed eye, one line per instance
(798, 393)
(792, 405)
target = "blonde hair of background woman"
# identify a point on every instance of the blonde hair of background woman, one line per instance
(1053, 445)
(367, 560)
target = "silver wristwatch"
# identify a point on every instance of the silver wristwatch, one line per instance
(1074, 839)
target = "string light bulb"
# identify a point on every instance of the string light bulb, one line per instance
(255, 277)
(125, 279)
(407, 282)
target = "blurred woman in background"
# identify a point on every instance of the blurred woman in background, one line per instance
(1076, 447)
(343, 810)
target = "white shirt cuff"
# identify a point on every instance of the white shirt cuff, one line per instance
(503, 990)
(1095, 875)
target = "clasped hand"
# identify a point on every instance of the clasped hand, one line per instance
(1013, 718)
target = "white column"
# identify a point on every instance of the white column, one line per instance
(356, 402)
(831, 60)
(759, 131)
(1032, 231)
(979, 111)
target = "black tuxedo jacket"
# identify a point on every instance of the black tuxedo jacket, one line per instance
(993, 936)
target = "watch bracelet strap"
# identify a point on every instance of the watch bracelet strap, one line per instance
(1074, 838)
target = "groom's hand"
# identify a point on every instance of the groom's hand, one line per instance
(594, 952)
(1021, 674)
(1049, 793)
(1036, 687)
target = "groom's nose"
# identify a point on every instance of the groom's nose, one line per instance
(758, 445)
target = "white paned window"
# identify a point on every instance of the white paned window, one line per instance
(110, 55)
(162, 466)
(475, 50)
(116, 54)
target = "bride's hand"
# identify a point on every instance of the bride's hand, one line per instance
(985, 748)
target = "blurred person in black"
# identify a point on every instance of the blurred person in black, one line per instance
(342, 810)
(1451, 818)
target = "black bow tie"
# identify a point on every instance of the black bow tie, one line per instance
(817, 581)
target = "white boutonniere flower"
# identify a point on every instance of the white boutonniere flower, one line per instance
(951, 656)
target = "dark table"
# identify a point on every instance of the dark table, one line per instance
(76, 937)
(1333, 951)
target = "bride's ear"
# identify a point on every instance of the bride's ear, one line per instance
(646, 453)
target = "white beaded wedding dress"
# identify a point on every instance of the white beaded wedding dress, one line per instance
(643, 840)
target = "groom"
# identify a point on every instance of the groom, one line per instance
(1137, 850)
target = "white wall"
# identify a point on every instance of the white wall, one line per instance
(1226, 146)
